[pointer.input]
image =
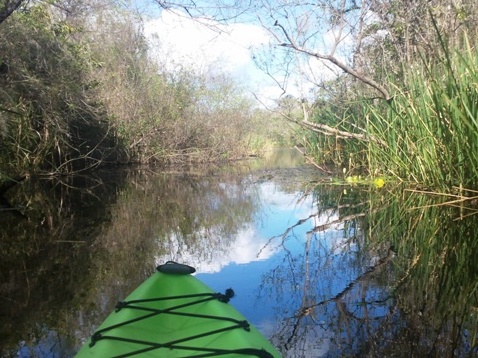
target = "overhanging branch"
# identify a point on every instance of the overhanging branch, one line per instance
(330, 131)
(334, 60)
(8, 7)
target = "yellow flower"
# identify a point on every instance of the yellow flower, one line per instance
(379, 183)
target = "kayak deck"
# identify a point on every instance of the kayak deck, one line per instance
(173, 314)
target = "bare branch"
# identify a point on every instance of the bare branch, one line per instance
(8, 7)
(327, 130)
(333, 59)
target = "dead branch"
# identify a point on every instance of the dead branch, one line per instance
(330, 131)
(334, 60)
(363, 277)
(8, 7)
(312, 161)
(327, 130)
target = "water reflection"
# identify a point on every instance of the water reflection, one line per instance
(321, 271)
(322, 287)
(44, 257)
(436, 275)
(364, 274)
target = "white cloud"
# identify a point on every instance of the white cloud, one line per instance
(179, 42)
(179, 39)
(246, 246)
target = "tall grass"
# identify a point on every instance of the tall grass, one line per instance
(431, 126)
(342, 115)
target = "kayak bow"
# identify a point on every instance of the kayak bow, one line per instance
(173, 314)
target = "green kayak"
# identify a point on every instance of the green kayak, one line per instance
(173, 314)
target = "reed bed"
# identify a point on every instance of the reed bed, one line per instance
(431, 126)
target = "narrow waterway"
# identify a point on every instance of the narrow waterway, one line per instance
(323, 270)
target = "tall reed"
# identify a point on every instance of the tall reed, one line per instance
(431, 126)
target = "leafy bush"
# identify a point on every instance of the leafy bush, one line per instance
(52, 122)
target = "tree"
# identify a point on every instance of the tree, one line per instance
(7, 7)
(54, 123)
(332, 32)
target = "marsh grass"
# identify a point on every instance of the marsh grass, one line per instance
(431, 126)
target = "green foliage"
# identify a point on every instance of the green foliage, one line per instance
(267, 131)
(51, 122)
(337, 108)
(426, 135)
(431, 128)
(72, 99)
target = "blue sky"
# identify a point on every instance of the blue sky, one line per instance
(178, 40)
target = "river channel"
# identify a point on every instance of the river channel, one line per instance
(323, 269)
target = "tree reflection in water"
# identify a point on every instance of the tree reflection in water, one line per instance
(323, 273)
(392, 275)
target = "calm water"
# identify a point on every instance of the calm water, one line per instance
(323, 270)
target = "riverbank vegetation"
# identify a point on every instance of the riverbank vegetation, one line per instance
(390, 89)
(426, 134)
(79, 88)
(391, 85)
(404, 106)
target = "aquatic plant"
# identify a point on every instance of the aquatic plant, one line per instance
(431, 126)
